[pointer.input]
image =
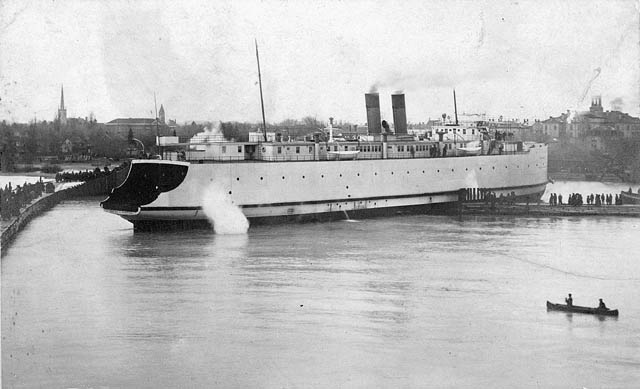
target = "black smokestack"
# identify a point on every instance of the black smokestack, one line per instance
(372, 102)
(399, 114)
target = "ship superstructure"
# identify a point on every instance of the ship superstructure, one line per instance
(384, 172)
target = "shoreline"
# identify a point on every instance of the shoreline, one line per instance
(95, 187)
(606, 179)
(37, 173)
(65, 166)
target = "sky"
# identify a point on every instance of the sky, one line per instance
(516, 59)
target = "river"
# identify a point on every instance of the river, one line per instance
(411, 301)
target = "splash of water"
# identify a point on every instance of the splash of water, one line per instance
(471, 180)
(226, 217)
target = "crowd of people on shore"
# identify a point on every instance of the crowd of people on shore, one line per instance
(87, 175)
(14, 199)
(576, 199)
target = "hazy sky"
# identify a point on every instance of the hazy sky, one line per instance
(519, 59)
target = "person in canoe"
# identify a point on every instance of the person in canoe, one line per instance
(569, 300)
(601, 305)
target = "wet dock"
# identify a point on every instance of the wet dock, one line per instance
(522, 209)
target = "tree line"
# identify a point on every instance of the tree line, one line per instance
(40, 142)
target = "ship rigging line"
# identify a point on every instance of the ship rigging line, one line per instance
(264, 122)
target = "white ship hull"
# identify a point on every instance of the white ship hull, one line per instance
(309, 190)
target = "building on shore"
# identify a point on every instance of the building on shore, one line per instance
(141, 127)
(590, 128)
(471, 126)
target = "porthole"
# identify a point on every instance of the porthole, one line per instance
(452, 170)
(358, 174)
(438, 170)
(340, 174)
(283, 177)
(237, 178)
(347, 186)
(262, 178)
(303, 177)
(480, 168)
(391, 173)
(375, 174)
(493, 167)
(229, 192)
(407, 172)
(466, 169)
(322, 176)
(423, 172)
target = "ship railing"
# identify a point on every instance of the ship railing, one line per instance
(284, 158)
(324, 157)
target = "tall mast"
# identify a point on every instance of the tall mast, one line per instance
(156, 107)
(264, 121)
(155, 104)
(455, 106)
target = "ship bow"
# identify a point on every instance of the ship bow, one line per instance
(146, 180)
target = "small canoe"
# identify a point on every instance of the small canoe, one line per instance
(579, 309)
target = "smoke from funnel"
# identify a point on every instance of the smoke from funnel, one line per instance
(617, 104)
(226, 217)
(385, 125)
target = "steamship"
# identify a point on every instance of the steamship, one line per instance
(382, 173)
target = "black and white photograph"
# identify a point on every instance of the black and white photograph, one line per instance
(320, 194)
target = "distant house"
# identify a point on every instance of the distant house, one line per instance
(554, 127)
(66, 148)
(75, 149)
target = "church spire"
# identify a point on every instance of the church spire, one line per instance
(62, 111)
(161, 114)
(61, 96)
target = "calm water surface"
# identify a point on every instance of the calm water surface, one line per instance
(418, 301)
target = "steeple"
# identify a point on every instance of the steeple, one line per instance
(62, 111)
(161, 114)
(61, 96)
